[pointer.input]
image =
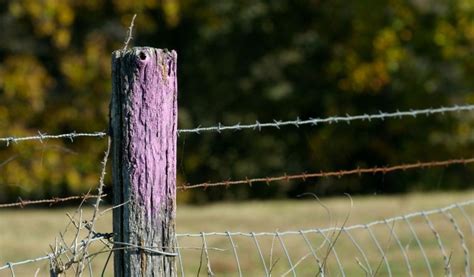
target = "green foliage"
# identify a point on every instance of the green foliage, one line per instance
(240, 61)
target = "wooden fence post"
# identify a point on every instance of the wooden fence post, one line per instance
(143, 127)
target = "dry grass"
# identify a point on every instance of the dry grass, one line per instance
(27, 234)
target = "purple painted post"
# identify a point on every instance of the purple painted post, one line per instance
(143, 122)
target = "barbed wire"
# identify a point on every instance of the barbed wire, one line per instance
(23, 203)
(43, 136)
(92, 236)
(329, 120)
(340, 173)
(258, 125)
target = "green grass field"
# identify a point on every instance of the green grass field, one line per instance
(28, 234)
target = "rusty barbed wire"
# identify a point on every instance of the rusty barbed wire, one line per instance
(22, 203)
(303, 176)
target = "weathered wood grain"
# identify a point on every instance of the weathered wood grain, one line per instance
(143, 127)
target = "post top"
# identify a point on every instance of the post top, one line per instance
(142, 51)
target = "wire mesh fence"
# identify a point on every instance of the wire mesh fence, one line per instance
(425, 243)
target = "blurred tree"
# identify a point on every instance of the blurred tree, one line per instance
(240, 61)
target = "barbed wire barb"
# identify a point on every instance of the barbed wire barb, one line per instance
(339, 173)
(51, 201)
(43, 136)
(258, 125)
(329, 120)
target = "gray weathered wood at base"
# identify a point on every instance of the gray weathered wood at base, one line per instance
(143, 127)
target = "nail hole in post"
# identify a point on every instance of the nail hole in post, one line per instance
(142, 56)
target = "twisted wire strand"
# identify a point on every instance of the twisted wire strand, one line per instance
(447, 265)
(42, 136)
(303, 176)
(254, 235)
(10, 265)
(327, 120)
(334, 229)
(22, 203)
(258, 125)
(467, 266)
(48, 256)
(206, 252)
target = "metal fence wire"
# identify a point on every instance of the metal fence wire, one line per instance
(420, 242)
(259, 125)
(431, 243)
(425, 243)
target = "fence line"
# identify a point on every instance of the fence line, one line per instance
(328, 240)
(22, 203)
(41, 137)
(267, 180)
(76, 255)
(340, 173)
(92, 236)
(258, 125)
(49, 256)
(329, 120)
(386, 259)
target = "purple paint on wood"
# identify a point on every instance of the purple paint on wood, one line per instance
(153, 128)
(143, 126)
